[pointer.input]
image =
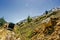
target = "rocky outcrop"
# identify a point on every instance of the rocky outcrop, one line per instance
(48, 31)
(8, 35)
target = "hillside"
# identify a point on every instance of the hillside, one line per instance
(44, 27)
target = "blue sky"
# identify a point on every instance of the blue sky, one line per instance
(16, 10)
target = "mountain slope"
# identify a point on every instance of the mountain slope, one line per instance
(42, 27)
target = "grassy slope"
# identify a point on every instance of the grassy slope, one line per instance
(27, 29)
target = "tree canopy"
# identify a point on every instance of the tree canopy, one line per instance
(2, 21)
(29, 19)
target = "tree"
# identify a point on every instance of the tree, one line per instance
(2, 21)
(46, 12)
(29, 19)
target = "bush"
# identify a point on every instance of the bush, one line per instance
(29, 19)
(46, 12)
(2, 21)
(11, 26)
(19, 24)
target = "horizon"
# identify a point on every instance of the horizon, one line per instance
(17, 10)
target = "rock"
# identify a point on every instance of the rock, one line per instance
(58, 24)
(8, 35)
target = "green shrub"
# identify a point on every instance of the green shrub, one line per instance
(29, 19)
(2, 21)
(46, 12)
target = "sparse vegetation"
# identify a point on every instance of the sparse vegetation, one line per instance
(29, 31)
(29, 19)
(2, 21)
(43, 27)
(46, 12)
